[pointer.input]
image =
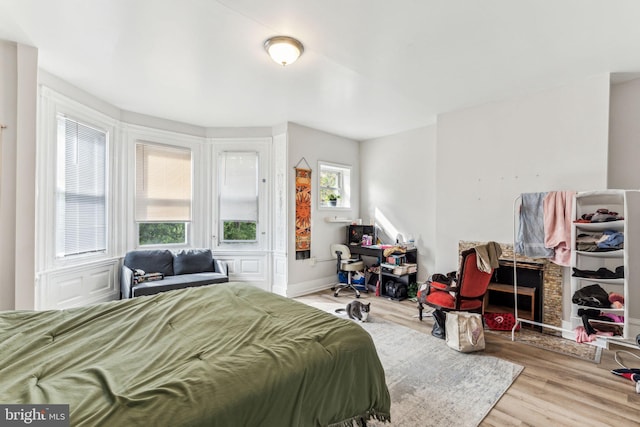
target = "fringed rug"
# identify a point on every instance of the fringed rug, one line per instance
(431, 384)
(554, 343)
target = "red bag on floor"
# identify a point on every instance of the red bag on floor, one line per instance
(500, 321)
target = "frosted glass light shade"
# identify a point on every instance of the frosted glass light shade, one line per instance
(283, 49)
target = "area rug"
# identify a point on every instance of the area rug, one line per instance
(554, 343)
(431, 384)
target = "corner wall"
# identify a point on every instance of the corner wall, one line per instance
(310, 275)
(398, 189)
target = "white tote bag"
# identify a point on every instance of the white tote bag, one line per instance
(465, 332)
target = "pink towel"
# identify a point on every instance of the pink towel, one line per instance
(557, 207)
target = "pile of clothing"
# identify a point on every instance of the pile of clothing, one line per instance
(607, 240)
(597, 322)
(632, 374)
(601, 215)
(601, 273)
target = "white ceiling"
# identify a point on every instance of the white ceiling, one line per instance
(370, 67)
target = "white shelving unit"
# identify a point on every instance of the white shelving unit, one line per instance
(625, 203)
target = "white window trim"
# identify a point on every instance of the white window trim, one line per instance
(134, 134)
(343, 190)
(51, 105)
(263, 147)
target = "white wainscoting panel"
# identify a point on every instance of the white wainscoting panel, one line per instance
(79, 285)
(247, 267)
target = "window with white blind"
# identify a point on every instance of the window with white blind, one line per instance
(81, 187)
(163, 194)
(238, 196)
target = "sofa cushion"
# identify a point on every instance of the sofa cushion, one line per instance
(151, 261)
(193, 261)
(177, 282)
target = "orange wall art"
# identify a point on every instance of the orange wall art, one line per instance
(303, 213)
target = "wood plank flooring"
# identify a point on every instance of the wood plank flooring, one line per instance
(552, 390)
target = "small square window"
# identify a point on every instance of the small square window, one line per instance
(334, 185)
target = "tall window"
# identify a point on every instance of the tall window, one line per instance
(81, 206)
(335, 185)
(163, 194)
(238, 196)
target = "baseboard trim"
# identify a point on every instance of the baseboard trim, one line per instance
(295, 290)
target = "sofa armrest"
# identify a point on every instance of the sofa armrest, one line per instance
(126, 281)
(220, 267)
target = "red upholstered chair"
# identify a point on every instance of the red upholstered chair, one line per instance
(465, 291)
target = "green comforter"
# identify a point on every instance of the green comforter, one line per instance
(222, 355)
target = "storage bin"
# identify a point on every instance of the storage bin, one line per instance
(400, 270)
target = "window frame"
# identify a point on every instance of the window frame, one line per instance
(343, 189)
(221, 222)
(188, 224)
(51, 105)
(261, 146)
(60, 161)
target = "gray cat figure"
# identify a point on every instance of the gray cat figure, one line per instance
(357, 310)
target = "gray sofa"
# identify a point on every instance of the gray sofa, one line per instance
(182, 269)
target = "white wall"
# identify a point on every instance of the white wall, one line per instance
(490, 154)
(398, 183)
(25, 178)
(315, 273)
(8, 101)
(624, 135)
(18, 88)
(462, 174)
(624, 152)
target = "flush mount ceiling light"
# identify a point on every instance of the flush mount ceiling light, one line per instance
(283, 49)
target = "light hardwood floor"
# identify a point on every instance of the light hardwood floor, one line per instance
(552, 390)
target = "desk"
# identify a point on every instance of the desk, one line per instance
(377, 252)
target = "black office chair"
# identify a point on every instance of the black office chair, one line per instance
(346, 264)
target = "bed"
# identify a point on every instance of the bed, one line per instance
(221, 355)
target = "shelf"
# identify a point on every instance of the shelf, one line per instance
(609, 310)
(493, 308)
(600, 226)
(600, 281)
(337, 219)
(397, 276)
(603, 322)
(626, 203)
(523, 291)
(618, 253)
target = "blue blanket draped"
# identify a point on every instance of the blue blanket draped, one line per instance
(530, 239)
